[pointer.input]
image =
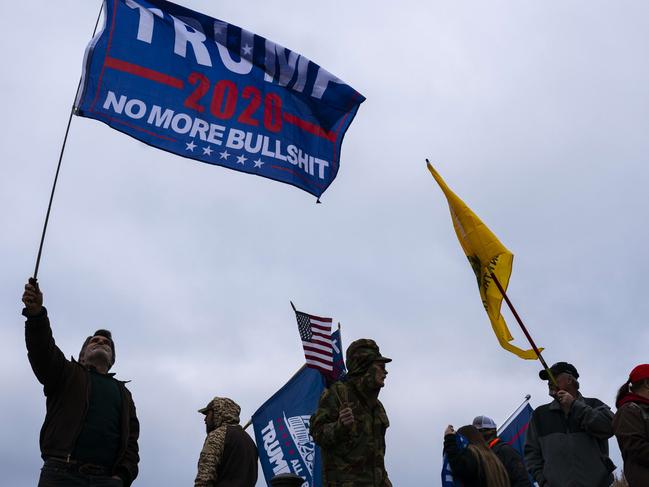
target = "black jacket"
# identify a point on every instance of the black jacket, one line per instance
(466, 466)
(66, 385)
(513, 463)
(570, 450)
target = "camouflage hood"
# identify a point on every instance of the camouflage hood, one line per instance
(361, 354)
(226, 411)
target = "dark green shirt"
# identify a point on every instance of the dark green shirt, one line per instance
(99, 439)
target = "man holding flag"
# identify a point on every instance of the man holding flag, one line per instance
(567, 440)
(350, 423)
(286, 448)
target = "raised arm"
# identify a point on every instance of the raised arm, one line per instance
(46, 359)
(463, 462)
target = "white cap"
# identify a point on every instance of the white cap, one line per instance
(484, 423)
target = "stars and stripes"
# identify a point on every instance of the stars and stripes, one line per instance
(315, 333)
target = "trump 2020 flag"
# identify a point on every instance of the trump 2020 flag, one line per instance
(514, 430)
(211, 91)
(281, 425)
(486, 255)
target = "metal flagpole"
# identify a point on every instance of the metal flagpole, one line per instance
(58, 167)
(516, 411)
(527, 335)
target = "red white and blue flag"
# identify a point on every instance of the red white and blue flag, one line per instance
(315, 333)
(514, 430)
(205, 89)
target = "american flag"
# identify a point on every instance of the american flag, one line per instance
(316, 340)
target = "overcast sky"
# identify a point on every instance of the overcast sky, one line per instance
(535, 113)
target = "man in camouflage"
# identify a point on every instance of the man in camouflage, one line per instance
(350, 423)
(229, 456)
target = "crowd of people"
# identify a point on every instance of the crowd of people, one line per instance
(567, 440)
(90, 433)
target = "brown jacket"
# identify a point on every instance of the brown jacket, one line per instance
(631, 427)
(66, 385)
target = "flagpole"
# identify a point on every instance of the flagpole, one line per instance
(521, 405)
(58, 167)
(520, 322)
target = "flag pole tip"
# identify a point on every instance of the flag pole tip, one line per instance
(528, 397)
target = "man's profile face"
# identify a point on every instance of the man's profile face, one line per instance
(380, 373)
(98, 348)
(209, 420)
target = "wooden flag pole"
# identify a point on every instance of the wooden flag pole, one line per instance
(58, 167)
(527, 335)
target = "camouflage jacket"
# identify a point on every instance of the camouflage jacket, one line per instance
(351, 456)
(229, 456)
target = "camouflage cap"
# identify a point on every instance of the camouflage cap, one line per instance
(361, 354)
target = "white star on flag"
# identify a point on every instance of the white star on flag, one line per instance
(224, 155)
(259, 162)
(207, 151)
(247, 50)
(241, 159)
(190, 146)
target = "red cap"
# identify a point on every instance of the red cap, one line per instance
(640, 372)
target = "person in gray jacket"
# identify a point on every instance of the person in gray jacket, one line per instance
(567, 440)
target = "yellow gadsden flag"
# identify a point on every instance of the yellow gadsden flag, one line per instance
(486, 254)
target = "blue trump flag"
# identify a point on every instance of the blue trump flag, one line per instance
(211, 91)
(281, 425)
(514, 430)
